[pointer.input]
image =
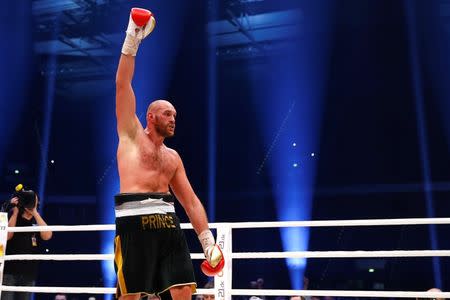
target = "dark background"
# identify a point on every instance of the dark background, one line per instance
(382, 138)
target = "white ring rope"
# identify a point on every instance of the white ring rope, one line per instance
(337, 223)
(106, 227)
(250, 255)
(59, 257)
(242, 292)
(339, 293)
(242, 225)
(340, 254)
(74, 257)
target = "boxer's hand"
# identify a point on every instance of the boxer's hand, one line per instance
(215, 261)
(140, 25)
(214, 256)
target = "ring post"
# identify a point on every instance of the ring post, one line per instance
(3, 239)
(223, 281)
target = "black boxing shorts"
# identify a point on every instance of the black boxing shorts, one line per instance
(151, 253)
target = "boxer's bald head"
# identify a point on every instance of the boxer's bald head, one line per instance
(158, 105)
(161, 116)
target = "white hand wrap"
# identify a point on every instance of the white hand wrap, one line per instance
(135, 34)
(130, 45)
(207, 240)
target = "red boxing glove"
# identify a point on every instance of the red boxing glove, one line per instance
(214, 262)
(140, 16)
(141, 23)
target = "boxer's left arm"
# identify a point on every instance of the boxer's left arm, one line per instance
(197, 215)
(188, 199)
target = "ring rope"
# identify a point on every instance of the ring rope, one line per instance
(339, 293)
(53, 290)
(74, 257)
(338, 223)
(248, 225)
(106, 227)
(251, 255)
(242, 292)
(340, 254)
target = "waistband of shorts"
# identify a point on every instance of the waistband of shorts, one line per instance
(134, 204)
(127, 197)
(147, 222)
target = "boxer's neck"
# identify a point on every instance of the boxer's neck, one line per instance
(156, 138)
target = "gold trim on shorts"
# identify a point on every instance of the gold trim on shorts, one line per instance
(193, 286)
(119, 262)
(137, 293)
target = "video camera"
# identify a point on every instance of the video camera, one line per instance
(26, 199)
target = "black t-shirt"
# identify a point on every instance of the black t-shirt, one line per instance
(23, 243)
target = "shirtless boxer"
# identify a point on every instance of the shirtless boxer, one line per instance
(151, 254)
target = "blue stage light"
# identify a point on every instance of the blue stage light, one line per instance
(291, 106)
(412, 22)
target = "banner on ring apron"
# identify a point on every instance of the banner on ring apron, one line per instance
(3, 239)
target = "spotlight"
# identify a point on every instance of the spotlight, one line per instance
(371, 270)
(295, 165)
(294, 144)
(313, 154)
(16, 171)
(52, 161)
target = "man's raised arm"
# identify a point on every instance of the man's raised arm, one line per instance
(140, 25)
(125, 99)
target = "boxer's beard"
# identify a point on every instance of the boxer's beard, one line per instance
(162, 129)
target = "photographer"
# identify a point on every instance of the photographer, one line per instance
(22, 211)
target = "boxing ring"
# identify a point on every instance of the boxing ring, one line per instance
(223, 289)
